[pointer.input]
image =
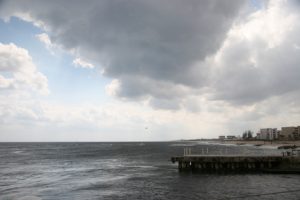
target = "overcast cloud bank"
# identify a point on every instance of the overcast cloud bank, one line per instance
(223, 60)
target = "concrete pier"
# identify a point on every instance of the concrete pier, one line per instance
(237, 163)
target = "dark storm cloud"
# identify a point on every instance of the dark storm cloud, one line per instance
(159, 40)
(160, 50)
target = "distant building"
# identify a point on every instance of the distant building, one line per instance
(290, 133)
(231, 137)
(267, 134)
(222, 137)
(279, 134)
(258, 136)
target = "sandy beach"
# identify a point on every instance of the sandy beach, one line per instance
(262, 143)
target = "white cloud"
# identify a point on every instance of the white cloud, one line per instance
(258, 59)
(18, 72)
(79, 62)
(296, 46)
(44, 38)
(109, 121)
(112, 88)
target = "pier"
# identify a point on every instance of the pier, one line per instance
(286, 163)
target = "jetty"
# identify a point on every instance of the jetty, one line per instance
(288, 162)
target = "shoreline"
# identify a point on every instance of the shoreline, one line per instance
(275, 143)
(261, 143)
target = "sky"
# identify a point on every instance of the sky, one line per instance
(132, 70)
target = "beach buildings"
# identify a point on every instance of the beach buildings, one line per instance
(290, 133)
(231, 137)
(222, 137)
(268, 134)
(228, 137)
(286, 133)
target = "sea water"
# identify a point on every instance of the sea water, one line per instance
(130, 170)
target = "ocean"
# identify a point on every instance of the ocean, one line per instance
(129, 170)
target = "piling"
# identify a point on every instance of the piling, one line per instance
(236, 163)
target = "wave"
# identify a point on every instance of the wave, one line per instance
(182, 145)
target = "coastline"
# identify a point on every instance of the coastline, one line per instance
(274, 143)
(267, 143)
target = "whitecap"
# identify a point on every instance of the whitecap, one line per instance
(18, 152)
(182, 145)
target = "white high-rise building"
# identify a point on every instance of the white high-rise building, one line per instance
(268, 134)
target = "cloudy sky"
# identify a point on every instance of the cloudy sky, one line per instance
(119, 70)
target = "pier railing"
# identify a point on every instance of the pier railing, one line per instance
(206, 162)
(187, 151)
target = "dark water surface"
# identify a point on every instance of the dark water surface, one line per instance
(128, 171)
